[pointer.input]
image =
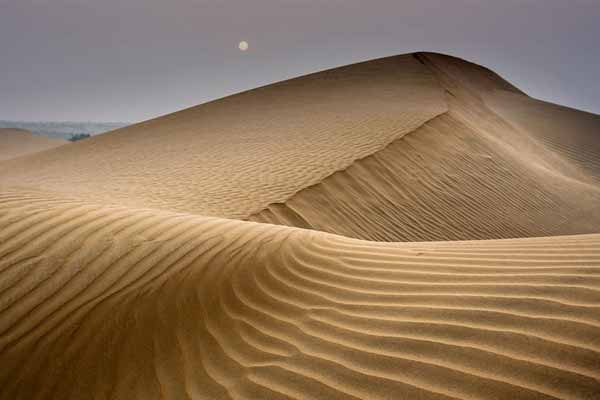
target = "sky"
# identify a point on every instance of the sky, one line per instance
(131, 60)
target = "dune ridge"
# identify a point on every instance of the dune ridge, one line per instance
(441, 182)
(234, 156)
(497, 164)
(153, 304)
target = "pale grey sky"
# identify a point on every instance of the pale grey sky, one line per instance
(129, 60)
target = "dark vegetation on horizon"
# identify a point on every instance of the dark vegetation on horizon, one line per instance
(79, 136)
(63, 130)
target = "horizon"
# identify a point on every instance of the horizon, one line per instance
(49, 121)
(125, 123)
(137, 60)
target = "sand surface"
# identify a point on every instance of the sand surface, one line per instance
(129, 268)
(18, 142)
(497, 164)
(235, 156)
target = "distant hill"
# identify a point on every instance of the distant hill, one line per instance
(63, 129)
(18, 142)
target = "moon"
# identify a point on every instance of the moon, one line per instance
(243, 46)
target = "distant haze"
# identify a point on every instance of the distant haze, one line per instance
(130, 60)
(63, 129)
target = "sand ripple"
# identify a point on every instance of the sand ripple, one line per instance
(108, 302)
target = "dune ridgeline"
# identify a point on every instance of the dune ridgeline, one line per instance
(412, 227)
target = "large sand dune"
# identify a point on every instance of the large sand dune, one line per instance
(234, 156)
(388, 149)
(18, 142)
(129, 269)
(109, 302)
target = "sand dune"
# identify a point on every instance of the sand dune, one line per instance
(437, 144)
(109, 302)
(129, 269)
(233, 157)
(18, 142)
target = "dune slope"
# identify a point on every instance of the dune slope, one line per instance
(497, 164)
(572, 133)
(18, 142)
(233, 157)
(442, 182)
(108, 302)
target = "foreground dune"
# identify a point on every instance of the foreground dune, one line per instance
(107, 302)
(138, 265)
(18, 142)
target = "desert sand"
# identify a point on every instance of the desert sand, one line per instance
(18, 142)
(412, 227)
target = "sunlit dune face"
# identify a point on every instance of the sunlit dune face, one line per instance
(243, 46)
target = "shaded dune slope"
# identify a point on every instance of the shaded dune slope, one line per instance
(18, 142)
(572, 133)
(497, 164)
(441, 182)
(110, 302)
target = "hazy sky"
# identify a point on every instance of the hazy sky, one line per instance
(129, 60)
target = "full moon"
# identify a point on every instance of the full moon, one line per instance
(243, 45)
